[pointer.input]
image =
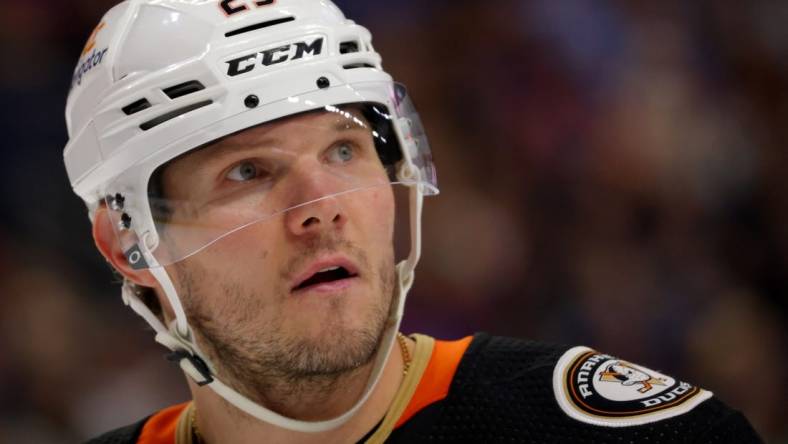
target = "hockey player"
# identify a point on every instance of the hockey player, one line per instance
(257, 179)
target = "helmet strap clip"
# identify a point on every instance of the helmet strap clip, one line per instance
(202, 368)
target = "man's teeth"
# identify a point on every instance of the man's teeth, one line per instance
(328, 269)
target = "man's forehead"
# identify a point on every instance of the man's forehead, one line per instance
(330, 119)
(325, 122)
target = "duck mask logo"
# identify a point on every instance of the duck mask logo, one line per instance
(602, 390)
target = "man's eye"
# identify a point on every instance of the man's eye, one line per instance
(341, 153)
(243, 172)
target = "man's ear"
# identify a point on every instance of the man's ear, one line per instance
(107, 242)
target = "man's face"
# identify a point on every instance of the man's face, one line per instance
(266, 301)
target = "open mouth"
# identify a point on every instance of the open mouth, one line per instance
(326, 275)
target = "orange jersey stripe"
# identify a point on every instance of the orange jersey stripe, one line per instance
(437, 377)
(160, 428)
(433, 386)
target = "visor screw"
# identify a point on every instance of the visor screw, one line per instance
(323, 83)
(251, 101)
(125, 222)
(116, 202)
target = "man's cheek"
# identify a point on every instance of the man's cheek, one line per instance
(383, 211)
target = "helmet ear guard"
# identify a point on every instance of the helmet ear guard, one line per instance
(142, 104)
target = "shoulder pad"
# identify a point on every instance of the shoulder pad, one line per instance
(600, 389)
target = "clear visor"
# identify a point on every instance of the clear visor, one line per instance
(322, 157)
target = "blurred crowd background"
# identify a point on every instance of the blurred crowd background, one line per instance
(613, 174)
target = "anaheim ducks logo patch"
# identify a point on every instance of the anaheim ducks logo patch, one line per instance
(599, 389)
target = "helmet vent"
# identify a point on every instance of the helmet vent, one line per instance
(257, 26)
(145, 126)
(136, 107)
(358, 65)
(183, 89)
(348, 47)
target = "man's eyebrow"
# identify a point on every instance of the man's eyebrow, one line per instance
(228, 146)
(351, 123)
(245, 145)
(219, 150)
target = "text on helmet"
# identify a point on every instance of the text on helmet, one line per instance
(273, 56)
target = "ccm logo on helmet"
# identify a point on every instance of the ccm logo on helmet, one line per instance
(273, 56)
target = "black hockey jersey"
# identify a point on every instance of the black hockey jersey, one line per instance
(502, 390)
(511, 390)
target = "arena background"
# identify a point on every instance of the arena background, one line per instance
(611, 174)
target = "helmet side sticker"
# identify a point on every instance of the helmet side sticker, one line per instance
(91, 43)
(230, 7)
(603, 390)
(90, 57)
(303, 49)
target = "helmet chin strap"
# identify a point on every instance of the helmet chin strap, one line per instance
(196, 365)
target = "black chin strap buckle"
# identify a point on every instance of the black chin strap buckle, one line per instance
(196, 361)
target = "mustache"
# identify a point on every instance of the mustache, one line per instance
(325, 244)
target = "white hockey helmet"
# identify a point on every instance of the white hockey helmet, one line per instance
(160, 78)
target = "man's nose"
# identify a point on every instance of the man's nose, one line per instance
(322, 215)
(317, 206)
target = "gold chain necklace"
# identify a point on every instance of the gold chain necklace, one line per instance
(403, 345)
(406, 359)
(196, 436)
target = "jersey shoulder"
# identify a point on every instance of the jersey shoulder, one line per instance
(161, 427)
(507, 388)
(124, 435)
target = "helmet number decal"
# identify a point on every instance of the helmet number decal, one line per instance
(229, 9)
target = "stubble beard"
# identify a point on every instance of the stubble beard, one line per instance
(269, 365)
